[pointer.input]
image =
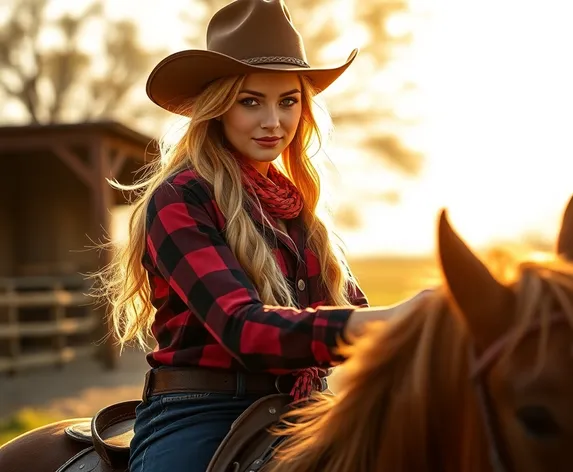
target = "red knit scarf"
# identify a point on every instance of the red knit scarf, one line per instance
(276, 193)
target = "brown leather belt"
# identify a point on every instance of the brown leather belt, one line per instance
(197, 379)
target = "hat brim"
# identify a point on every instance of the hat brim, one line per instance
(181, 76)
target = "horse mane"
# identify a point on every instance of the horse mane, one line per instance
(394, 388)
(401, 381)
(542, 289)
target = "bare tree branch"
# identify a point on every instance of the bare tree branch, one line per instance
(18, 39)
(63, 81)
(64, 67)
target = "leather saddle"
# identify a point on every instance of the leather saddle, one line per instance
(246, 448)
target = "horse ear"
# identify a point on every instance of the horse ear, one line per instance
(565, 239)
(485, 305)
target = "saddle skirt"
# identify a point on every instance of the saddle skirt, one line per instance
(246, 447)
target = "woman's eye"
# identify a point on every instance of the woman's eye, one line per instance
(289, 102)
(248, 102)
(251, 102)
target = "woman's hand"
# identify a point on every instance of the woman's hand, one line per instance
(362, 316)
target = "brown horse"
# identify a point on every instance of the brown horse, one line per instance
(479, 377)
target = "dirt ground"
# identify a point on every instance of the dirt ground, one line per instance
(80, 388)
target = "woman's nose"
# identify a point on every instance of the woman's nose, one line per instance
(271, 119)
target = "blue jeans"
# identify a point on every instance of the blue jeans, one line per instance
(181, 432)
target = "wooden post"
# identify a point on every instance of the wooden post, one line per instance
(102, 197)
(59, 318)
(117, 163)
(14, 341)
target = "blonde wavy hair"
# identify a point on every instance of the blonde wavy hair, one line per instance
(123, 284)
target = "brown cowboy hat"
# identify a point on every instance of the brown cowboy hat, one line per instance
(244, 37)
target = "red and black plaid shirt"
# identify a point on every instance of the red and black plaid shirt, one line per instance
(208, 311)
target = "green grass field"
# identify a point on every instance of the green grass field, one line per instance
(22, 421)
(385, 282)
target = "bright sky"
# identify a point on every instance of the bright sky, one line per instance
(496, 100)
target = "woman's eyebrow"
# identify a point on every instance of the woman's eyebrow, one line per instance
(259, 94)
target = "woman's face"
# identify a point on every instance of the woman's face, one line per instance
(264, 119)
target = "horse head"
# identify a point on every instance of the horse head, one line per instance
(522, 346)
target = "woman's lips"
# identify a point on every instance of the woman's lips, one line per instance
(267, 142)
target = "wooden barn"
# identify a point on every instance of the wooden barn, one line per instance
(54, 202)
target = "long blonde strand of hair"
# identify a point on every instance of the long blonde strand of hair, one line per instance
(300, 169)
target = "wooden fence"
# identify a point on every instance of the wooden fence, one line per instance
(45, 321)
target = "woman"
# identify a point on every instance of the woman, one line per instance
(227, 263)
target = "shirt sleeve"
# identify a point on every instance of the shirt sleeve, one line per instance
(190, 253)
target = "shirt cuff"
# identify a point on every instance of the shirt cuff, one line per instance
(328, 334)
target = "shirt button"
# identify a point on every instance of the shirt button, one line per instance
(301, 285)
